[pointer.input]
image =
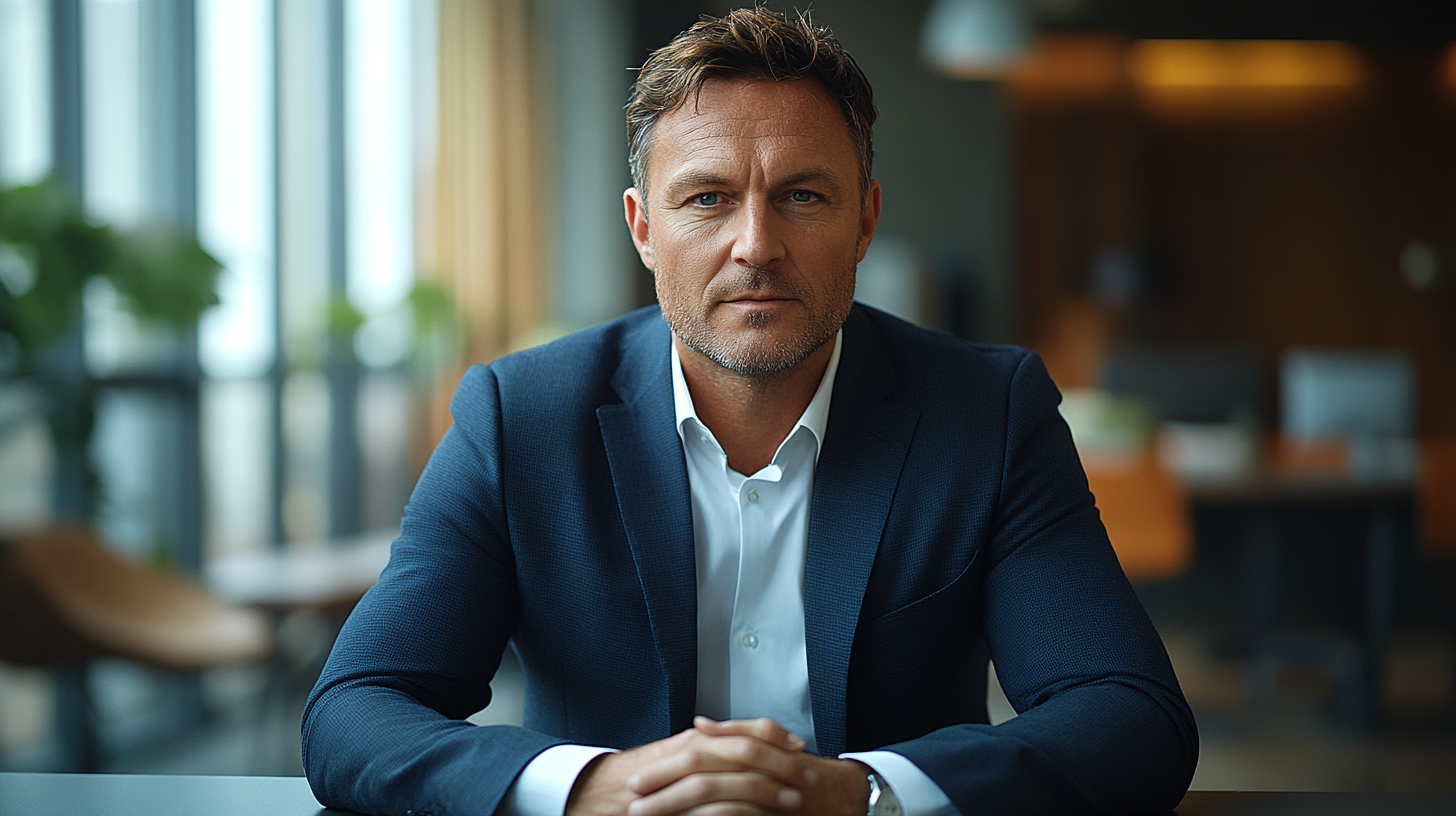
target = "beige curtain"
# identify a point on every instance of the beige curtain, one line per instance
(487, 227)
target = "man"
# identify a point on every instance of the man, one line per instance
(800, 517)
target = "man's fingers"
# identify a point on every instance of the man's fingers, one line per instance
(762, 728)
(701, 789)
(729, 809)
(722, 754)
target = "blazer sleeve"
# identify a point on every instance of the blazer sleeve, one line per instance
(1103, 726)
(384, 729)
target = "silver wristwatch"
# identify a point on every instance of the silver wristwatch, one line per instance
(883, 801)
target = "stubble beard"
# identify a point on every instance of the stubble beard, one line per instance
(756, 352)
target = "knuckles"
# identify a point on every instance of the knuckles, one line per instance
(767, 730)
(747, 752)
(696, 761)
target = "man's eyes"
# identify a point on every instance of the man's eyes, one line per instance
(714, 199)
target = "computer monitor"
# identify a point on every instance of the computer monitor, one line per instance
(1188, 383)
(1347, 393)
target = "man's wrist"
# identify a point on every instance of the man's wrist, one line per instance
(917, 793)
(573, 796)
(544, 786)
(858, 784)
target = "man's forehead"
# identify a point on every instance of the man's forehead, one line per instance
(781, 103)
(794, 122)
(789, 94)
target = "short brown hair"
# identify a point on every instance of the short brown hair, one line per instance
(751, 43)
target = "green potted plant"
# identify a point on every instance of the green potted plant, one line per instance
(49, 251)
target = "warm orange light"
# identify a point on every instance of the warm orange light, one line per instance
(1244, 64)
(1072, 65)
(1448, 69)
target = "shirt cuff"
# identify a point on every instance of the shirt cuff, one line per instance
(544, 784)
(918, 793)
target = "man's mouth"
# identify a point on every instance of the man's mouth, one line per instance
(757, 297)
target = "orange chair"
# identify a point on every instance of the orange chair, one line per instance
(1436, 498)
(1436, 489)
(65, 599)
(1145, 511)
(1287, 454)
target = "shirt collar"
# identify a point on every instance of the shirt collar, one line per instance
(815, 418)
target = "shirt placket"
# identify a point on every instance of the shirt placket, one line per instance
(758, 499)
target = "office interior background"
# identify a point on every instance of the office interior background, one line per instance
(1228, 227)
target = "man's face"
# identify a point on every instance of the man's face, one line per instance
(754, 221)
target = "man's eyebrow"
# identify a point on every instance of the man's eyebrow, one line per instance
(693, 180)
(813, 175)
(690, 181)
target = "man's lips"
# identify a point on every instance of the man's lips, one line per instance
(758, 297)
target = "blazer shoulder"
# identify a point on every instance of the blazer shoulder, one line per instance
(578, 368)
(931, 359)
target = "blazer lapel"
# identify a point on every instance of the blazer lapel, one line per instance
(651, 482)
(854, 484)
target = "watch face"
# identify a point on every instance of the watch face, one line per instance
(888, 804)
(883, 801)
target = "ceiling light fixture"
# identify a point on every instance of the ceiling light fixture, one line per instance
(975, 39)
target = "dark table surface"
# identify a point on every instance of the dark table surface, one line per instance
(28, 794)
(39, 794)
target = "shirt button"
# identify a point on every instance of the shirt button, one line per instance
(750, 640)
(752, 499)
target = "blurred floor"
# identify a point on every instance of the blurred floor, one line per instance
(1298, 745)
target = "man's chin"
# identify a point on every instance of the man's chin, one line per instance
(760, 353)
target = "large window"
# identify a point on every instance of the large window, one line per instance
(285, 132)
(236, 210)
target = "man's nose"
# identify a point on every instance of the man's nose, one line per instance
(758, 242)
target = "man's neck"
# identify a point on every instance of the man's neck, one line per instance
(751, 415)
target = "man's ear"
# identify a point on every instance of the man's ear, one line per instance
(635, 206)
(869, 215)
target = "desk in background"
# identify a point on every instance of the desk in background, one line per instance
(328, 575)
(314, 586)
(1259, 498)
(1147, 510)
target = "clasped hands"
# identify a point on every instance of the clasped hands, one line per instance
(732, 768)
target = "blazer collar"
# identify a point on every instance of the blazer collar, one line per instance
(815, 416)
(854, 486)
(651, 481)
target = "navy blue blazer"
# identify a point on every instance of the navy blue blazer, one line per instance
(950, 521)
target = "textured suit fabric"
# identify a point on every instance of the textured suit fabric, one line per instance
(950, 520)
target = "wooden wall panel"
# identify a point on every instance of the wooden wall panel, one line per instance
(1277, 216)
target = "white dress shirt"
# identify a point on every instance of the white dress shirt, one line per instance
(750, 535)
